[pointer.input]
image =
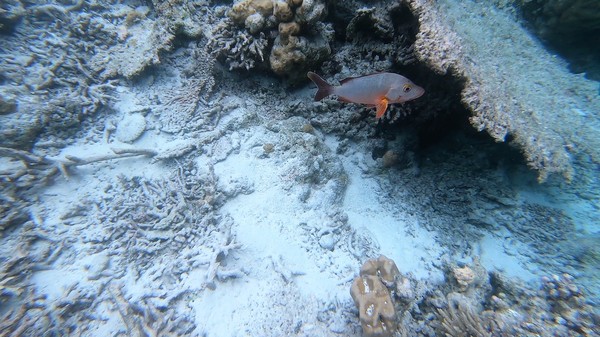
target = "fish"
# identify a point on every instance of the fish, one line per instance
(376, 90)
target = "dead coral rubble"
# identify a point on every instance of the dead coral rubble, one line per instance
(472, 302)
(146, 319)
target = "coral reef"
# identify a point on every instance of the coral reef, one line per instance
(237, 48)
(372, 297)
(180, 17)
(290, 32)
(45, 70)
(450, 40)
(377, 314)
(146, 319)
(231, 186)
(110, 42)
(568, 305)
(292, 56)
(460, 318)
(182, 97)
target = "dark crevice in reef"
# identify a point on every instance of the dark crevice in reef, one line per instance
(221, 2)
(405, 22)
(438, 124)
(340, 17)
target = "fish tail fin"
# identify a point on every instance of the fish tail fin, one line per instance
(324, 89)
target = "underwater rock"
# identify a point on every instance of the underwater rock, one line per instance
(564, 17)
(404, 289)
(572, 27)
(7, 105)
(18, 130)
(138, 48)
(11, 11)
(328, 241)
(180, 17)
(131, 128)
(533, 107)
(390, 158)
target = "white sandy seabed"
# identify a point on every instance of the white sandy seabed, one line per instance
(295, 248)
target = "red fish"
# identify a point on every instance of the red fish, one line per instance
(377, 90)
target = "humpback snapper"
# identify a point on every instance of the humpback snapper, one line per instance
(377, 90)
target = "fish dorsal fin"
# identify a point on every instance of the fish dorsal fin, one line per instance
(348, 79)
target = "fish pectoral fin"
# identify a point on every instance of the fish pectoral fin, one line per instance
(381, 107)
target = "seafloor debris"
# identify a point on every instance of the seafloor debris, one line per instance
(145, 319)
(38, 170)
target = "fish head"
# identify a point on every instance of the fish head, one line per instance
(405, 92)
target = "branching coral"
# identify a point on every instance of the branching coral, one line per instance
(237, 48)
(243, 39)
(460, 319)
(145, 319)
(183, 107)
(39, 169)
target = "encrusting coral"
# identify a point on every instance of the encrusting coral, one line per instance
(382, 267)
(372, 297)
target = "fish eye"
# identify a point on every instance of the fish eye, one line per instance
(406, 88)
